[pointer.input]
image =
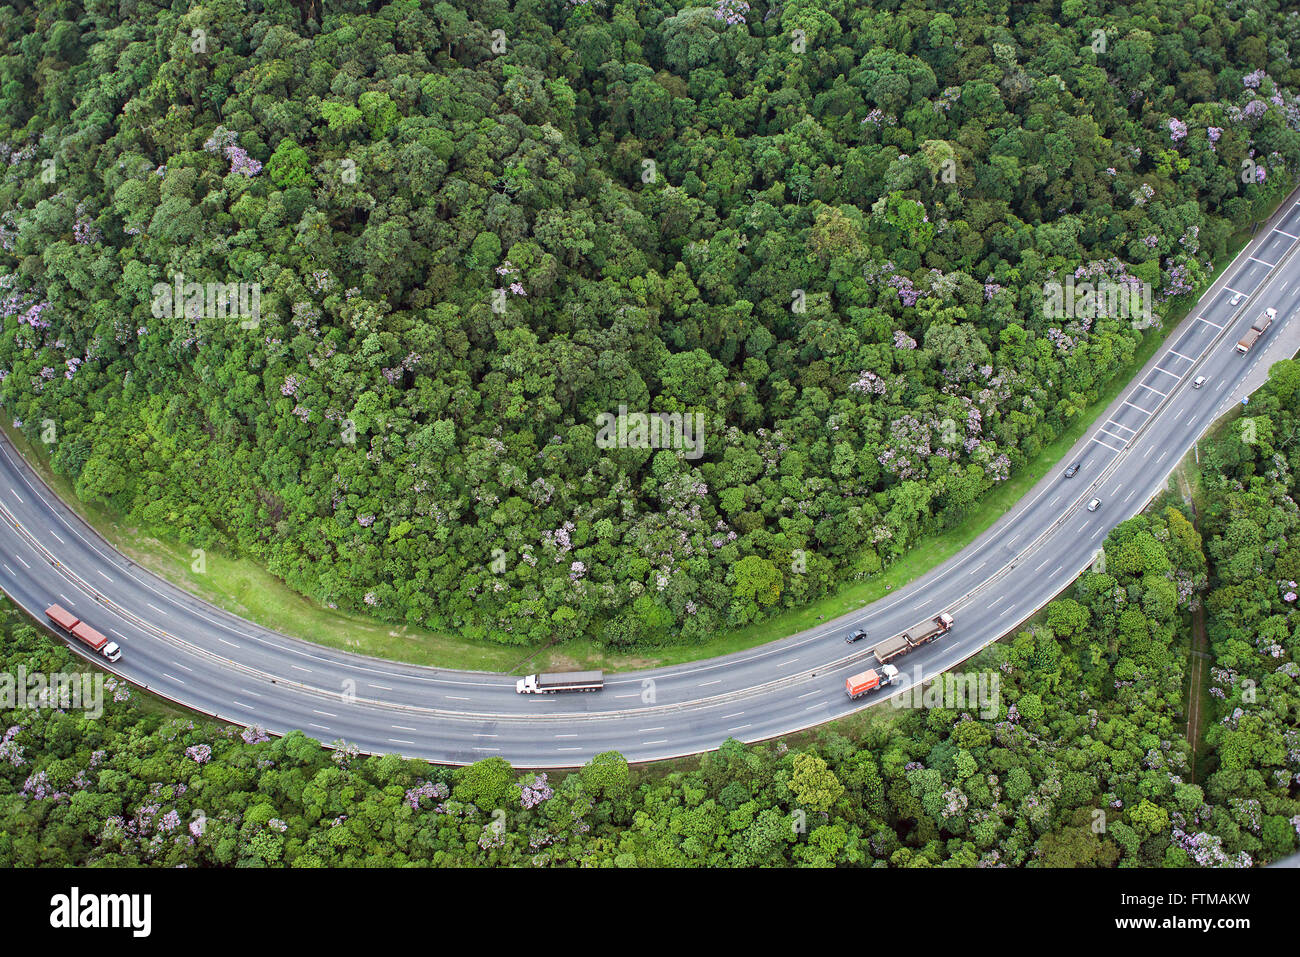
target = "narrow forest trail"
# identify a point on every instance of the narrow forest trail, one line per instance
(1198, 668)
(1197, 674)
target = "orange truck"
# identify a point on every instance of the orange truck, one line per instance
(855, 686)
(97, 641)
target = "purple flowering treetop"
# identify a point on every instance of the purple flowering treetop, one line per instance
(223, 141)
(731, 11)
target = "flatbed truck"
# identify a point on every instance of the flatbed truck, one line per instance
(1257, 330)
(892, 648)
(914, 637)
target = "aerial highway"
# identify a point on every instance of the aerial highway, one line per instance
(186, 650)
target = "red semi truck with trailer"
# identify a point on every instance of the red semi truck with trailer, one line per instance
(855, 686)
(95, 640)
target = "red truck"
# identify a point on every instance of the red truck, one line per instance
(97, 641)
(855, 686)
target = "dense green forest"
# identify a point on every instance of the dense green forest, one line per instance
(1084, 763)
(470, 230)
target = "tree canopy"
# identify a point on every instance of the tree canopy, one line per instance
(820, 229)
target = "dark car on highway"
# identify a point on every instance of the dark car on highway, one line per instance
(1069, 473)
(855, 636)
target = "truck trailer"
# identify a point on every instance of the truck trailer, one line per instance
(561, 681)
(1257, 330)
(921, 634)
(930, 630)
(95, 640)
(892, 648)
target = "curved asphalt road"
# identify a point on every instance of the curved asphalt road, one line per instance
(179, 647)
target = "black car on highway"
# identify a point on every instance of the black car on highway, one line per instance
(1070, 472)
(853, 636)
